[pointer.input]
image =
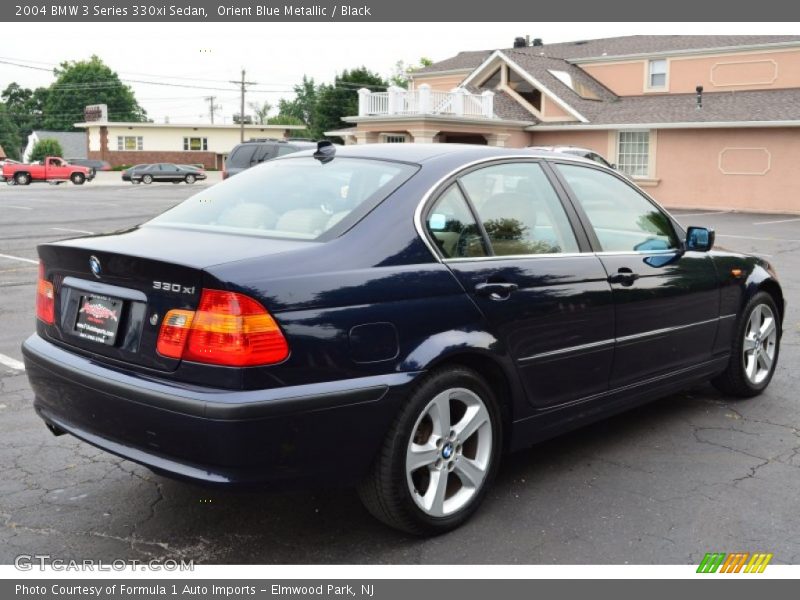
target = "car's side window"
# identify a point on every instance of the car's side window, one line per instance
(453, 228)
(520, 210)
(622, 218)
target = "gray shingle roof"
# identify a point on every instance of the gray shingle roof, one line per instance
(72, 144)
(610, 47)
(756, 105)
(538, 61)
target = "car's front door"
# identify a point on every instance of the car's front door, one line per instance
(666, 298)
(513, 245)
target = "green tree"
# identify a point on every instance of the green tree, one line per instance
(341, 99)
(10, 139)
(45, 147)
(401, 72)
(80, 83)
(25, 108)
(260, 111)
(288, 120)
(303, 106)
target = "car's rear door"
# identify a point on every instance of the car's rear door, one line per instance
(666, 298)
(525, 262)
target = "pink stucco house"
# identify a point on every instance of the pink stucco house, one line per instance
(635, 100)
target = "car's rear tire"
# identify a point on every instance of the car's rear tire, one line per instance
(754, 351)
(148, 179)
(439, 457)
(22, 179)
(190, 179)
(78, 178)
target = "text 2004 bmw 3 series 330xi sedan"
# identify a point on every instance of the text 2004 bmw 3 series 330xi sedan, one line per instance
(394, 317)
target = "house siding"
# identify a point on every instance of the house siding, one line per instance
(718, 72)
(441, 83)
(740, 169)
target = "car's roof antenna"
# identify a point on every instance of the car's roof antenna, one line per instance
(325, 151)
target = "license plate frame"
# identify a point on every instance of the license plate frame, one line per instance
(98, 318)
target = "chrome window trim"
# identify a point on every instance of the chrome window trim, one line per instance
(418, 225)
(517, 256)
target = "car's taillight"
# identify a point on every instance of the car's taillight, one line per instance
(45, 299)
(174, 331)
(227, 328)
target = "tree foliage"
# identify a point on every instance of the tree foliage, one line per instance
(401, 72)
(24, 108)
(340, 99)
(10, 138)
(302, 107)
(260, 112)
(45, 147)
(80, 83)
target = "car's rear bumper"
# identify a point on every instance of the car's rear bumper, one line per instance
(319, 433)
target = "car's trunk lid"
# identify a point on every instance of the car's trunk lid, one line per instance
(112, 291)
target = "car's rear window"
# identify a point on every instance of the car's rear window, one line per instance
(295, 198)
(242, 155)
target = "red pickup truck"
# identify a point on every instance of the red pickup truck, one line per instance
(52, 170)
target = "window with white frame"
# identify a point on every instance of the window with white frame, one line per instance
(394, 138)
(633, 153)
(657, 74)
(129, 142)
(195, 143)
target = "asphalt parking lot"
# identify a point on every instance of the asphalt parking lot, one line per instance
(665, 483)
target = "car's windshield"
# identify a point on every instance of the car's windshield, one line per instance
(299, 198)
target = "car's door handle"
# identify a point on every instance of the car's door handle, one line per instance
(496, 290)
(623, 276)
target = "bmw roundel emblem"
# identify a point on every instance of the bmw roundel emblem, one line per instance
(94, 265)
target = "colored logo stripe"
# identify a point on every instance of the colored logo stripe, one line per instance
(758, 563)
(734, 563)
(711, 562)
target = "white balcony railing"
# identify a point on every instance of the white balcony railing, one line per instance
(425, 101)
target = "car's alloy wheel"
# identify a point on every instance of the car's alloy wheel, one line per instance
(760, 344)
(439, 456)
(148, 179)
(190, 179)
(755, 349)
(449, 452)
(78, 178)
(22, 179)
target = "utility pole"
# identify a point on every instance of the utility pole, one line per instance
(243, 88)
(212, 108)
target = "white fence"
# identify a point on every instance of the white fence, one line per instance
(424, 101)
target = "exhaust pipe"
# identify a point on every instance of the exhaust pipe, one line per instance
(56, 431)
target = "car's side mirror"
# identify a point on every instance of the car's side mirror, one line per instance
(699, 239)
(614, 166)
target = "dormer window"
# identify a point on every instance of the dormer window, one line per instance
(657, 74)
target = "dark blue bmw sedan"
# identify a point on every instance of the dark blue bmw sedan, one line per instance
(394, 317)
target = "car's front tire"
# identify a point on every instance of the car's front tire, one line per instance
(755, 349)
(439, 456)
(148, 179)
(78, 178)
(190, 179)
